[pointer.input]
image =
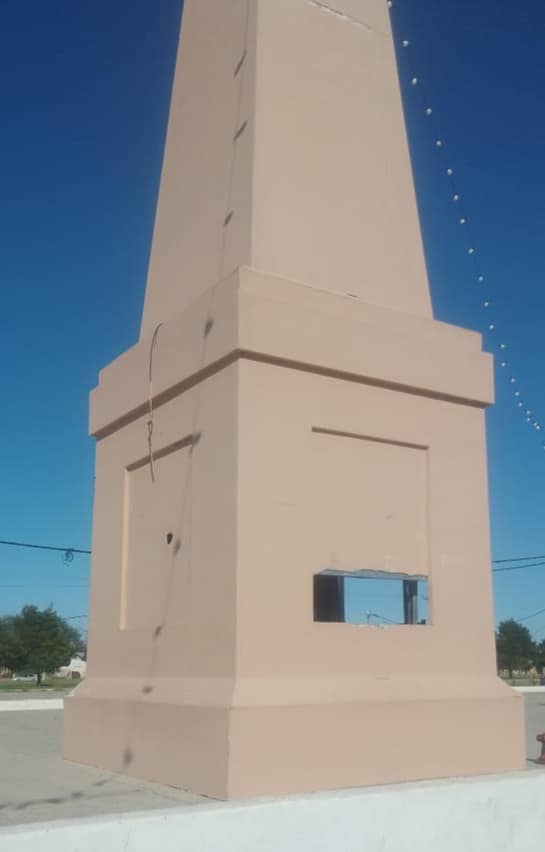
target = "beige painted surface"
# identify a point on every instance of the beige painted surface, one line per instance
(319, 183)
(368, 500)
(295, 429)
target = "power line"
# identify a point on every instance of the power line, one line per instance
(533, 615)
(66, 550)
(382, 618)
(510, 564)
(517, 567)
(52, 586)
(517, 559)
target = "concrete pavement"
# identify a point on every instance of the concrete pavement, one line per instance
(535, 724)
(36, 785)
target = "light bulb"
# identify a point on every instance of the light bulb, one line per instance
(414, 81)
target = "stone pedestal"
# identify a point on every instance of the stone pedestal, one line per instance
(308, 416)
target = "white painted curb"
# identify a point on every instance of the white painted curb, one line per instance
(497, 814)
(529, 690)
(8, 706)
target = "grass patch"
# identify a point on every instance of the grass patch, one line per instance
(31, 686)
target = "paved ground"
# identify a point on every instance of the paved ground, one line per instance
(33, 695)
(535, 724)
(36, 785)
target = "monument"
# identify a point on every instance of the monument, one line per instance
(292, 416)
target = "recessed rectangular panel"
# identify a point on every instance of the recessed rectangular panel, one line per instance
(154, 518)
(369, 505)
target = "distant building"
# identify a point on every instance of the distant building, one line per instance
(75, 670)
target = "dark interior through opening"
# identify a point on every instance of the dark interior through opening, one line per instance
(371, 597)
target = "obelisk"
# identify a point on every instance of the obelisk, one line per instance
(291, 416)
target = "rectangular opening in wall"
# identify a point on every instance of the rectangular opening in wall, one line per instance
(371, 597)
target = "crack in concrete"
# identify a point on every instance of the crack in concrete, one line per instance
(337, 13)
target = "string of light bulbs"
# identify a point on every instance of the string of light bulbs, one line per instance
(479, 272)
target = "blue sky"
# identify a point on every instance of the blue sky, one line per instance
(482, 70)
(84, 107)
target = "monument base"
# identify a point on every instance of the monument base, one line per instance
(296, 434)
(242, 752)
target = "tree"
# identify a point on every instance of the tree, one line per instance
(43, 641)
(77, 640)
(515, 647)
(12, 654)
(540, 656)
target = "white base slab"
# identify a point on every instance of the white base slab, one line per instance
(25, 704)
(493, 814)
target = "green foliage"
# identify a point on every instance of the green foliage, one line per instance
(515, 647)
(540, 648)
(77, 641)
(12, 654)
(37, 641)
(540, 657)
